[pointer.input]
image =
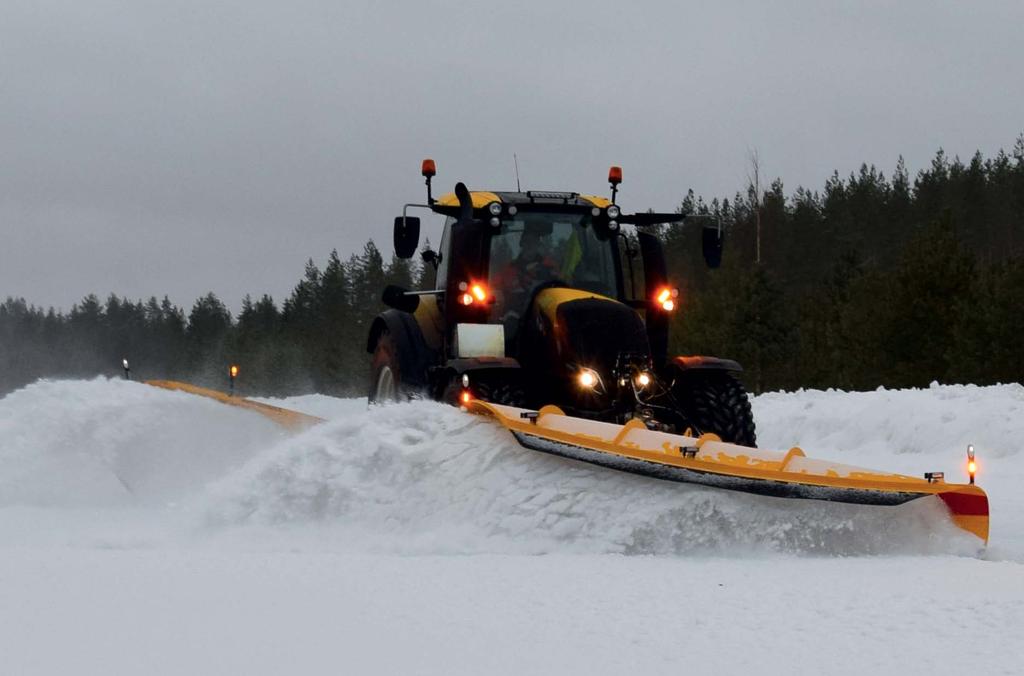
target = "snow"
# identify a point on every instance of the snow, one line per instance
(150, 531)
(322, 406)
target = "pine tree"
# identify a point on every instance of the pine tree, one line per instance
(340, 349)
(208, 325)
(934, 275)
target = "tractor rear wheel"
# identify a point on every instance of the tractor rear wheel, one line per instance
(385, 373)
(715, 401)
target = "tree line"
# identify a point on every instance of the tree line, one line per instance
(871, 281)
(313, 342)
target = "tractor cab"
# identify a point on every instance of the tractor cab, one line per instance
(490, 268)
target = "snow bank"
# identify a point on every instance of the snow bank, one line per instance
(905, 427)
(111, 442)
(914, 431)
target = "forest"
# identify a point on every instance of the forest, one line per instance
(870, 281)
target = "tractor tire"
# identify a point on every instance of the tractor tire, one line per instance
(714, 401)
(385, 372)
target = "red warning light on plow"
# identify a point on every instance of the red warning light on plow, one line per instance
(233, 371)
(972, 465)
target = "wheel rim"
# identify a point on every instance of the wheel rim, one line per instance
(385, 385)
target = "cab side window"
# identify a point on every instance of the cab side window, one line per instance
(441, 280)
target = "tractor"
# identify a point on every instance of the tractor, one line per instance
(535, 302)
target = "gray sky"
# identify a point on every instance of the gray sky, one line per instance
(180, 147)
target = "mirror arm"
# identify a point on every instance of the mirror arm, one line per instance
(405, 208)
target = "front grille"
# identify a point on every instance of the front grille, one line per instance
(593, 332)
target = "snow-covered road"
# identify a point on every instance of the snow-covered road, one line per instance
(148, 531)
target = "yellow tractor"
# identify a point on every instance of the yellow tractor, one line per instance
(544, 297)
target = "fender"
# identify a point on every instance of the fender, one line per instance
(414, 356)
(690, 363)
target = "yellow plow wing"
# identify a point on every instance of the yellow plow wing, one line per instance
(708, 461)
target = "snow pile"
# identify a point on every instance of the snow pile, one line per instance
(905, 427)
(112, 442)
(914, 431)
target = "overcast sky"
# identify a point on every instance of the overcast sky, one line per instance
(172, 147)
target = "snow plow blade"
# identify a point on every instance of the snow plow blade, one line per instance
(708, 461)
(290, 420)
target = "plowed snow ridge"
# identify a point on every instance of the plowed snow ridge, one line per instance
(425, 478)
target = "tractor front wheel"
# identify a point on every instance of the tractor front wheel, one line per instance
(715, 401)
(385, 374)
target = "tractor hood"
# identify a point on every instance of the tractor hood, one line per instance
(570, 330)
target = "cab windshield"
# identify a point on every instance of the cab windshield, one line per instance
(535, 248)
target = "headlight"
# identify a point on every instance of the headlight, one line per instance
(494, 208)
(613, 212)
(587, 379)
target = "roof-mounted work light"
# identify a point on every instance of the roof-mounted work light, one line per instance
(615, 178)
(428, 170)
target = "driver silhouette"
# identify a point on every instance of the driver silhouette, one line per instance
(530, 268)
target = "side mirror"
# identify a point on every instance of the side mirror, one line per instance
(711, 243)
(395, 296)
(407, 236)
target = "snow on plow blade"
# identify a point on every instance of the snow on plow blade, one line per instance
(708, 461)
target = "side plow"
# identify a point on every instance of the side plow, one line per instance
(290, 420)
(708, 461)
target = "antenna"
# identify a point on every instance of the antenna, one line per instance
(516, 160)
